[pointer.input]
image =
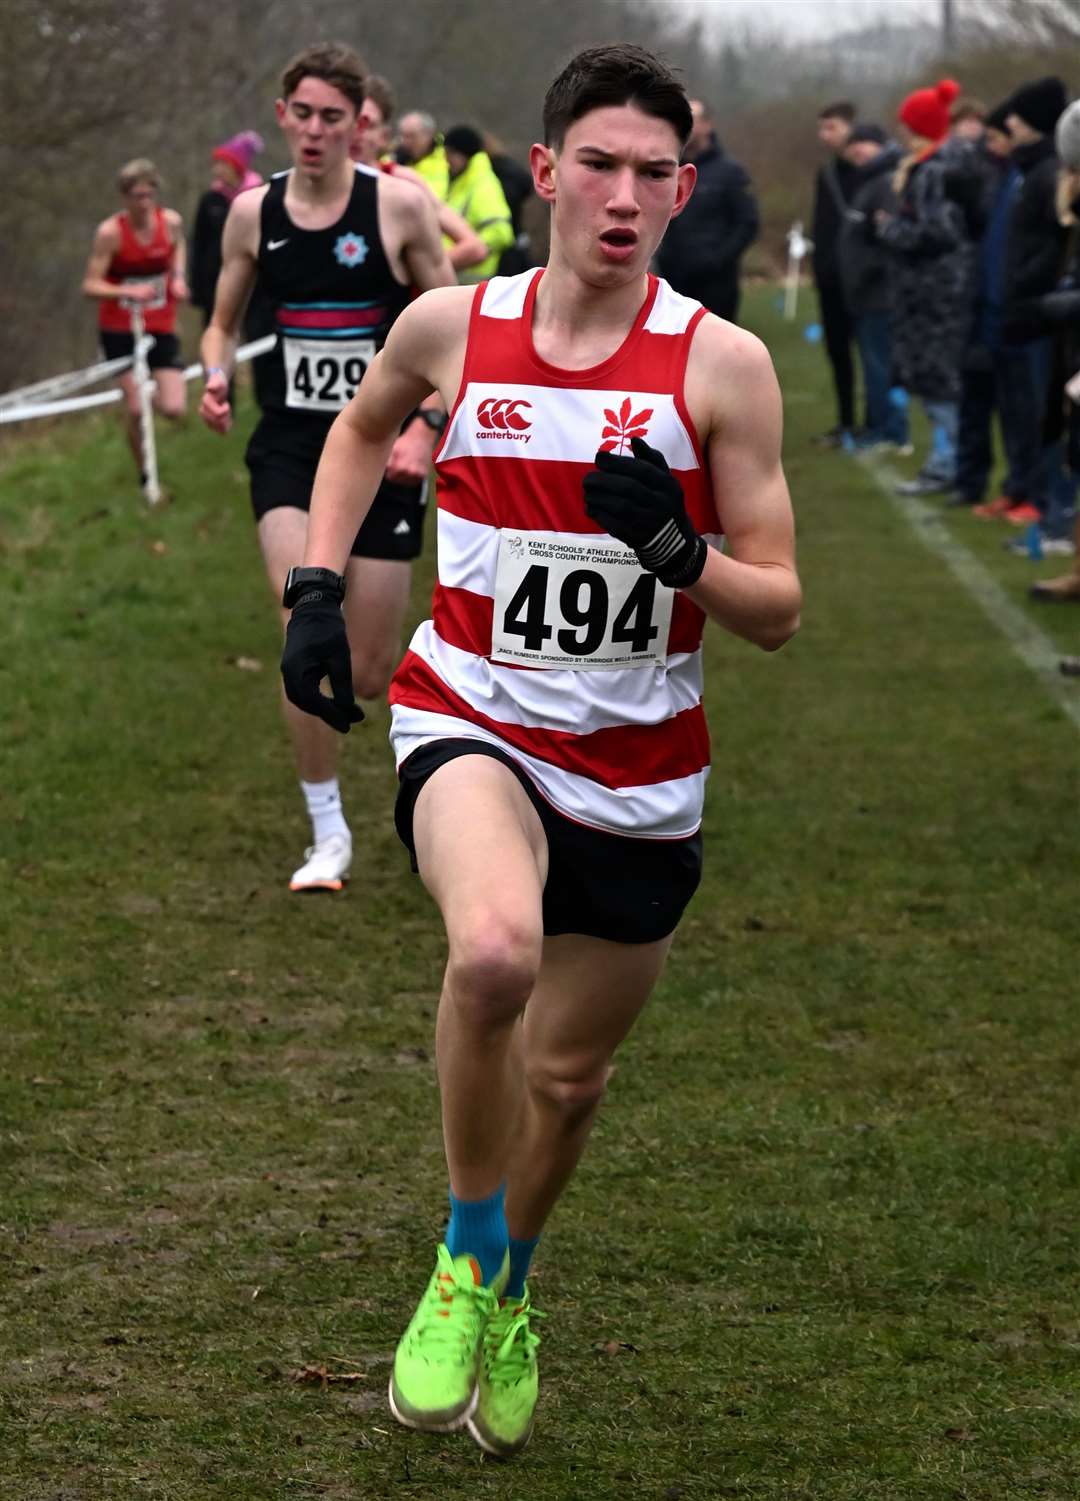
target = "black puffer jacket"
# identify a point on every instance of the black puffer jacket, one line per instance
(931, 282)
(699, 254)
(864, 261)
(833, 188)
(1035, 240)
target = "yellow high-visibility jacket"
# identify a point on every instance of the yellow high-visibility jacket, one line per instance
(478, 197)
(434, 170)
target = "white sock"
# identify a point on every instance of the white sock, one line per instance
(324, 807)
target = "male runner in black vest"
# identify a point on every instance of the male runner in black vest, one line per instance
(336, 248)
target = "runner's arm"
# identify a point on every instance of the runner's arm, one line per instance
(238, 270)
(239, 244)
(358, 445)
(423, 251)
(752, 588)
(178, 267)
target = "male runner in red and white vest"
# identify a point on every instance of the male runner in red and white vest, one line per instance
(336, 251)
(139, 256)
(548, 723)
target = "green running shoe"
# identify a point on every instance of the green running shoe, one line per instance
(433, 1386)
(502, 1420)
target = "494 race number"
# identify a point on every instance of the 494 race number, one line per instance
(321, 375)
(563, 601)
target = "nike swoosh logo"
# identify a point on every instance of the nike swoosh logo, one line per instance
(276, 244)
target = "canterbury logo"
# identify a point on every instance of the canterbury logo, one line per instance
(500, 417)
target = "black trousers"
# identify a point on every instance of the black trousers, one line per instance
(839, 337)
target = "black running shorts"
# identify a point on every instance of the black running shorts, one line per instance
(282, 459)
(601, 885)
(165, 354)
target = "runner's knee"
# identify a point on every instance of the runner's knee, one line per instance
(371, 676)
(493, 968)
(172, 407)
(573, 1090)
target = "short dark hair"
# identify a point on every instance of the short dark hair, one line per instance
(840, 109)
(379, 91)
(335, 63)
(967, 107)
(601, 77)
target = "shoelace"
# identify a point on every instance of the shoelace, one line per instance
(511, 1357)
(452, 1308)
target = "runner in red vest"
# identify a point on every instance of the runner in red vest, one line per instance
(547, 720)
(138, 256)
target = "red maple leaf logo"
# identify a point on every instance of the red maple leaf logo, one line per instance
(622, 427)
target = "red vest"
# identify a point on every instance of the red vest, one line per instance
(547, 638)
(136, 262)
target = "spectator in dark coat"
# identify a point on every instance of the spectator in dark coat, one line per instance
(981, 372)
(700, 253)
(833, 188)
(932, 281)
(1025, 265)
(1061, 311)
(864, 266)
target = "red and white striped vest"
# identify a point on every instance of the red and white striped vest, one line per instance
(547, 638)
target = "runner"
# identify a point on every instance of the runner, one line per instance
(547, 720)
(336, 250)
(138, 257)
(372, 141)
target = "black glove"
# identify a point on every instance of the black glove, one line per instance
(640, 502)
(317, 647)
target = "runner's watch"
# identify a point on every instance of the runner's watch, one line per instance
(435, 419)
(308, 580)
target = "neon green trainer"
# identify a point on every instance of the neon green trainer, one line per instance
(433, 1386)
(502, 1420)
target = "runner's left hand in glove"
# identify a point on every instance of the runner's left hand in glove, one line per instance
(639, 501)
(317, 647)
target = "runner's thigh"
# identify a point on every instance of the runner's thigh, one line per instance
(587, 997)
(480, 847)
(282, 535)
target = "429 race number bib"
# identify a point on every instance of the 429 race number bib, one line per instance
(563, 601)
(321, 375)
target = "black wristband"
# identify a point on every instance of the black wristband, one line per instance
(686, 569)
(305, 581)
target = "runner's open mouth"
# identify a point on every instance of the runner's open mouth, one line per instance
(619, 237)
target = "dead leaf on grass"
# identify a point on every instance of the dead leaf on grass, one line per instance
(959, 1435)
(409, 1056)
(617, 1347)
(158, 548)
(245, 664)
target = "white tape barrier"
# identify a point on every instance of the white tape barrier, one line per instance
(145, 387)
(63, 385)
(31, 409)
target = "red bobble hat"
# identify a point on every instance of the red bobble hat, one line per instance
(926, 111)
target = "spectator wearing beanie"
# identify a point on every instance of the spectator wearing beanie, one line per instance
(476, 194)
(864, 266)
(931, 280)
(986, 372)
(1033, 243)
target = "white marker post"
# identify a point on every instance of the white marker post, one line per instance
(798, 248)
(144, 386)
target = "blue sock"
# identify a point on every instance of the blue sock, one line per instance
(478, 1227)
(521, 1253)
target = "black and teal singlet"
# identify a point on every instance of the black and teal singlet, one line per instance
(335, 299)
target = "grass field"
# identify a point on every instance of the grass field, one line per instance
(824, 1245)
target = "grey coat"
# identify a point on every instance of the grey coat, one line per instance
(931, 283)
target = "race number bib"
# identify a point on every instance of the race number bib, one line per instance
(157, 301)
(577, 602)
(321, 375)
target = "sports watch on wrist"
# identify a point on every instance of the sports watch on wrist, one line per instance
(435, 419)
(309, 580)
